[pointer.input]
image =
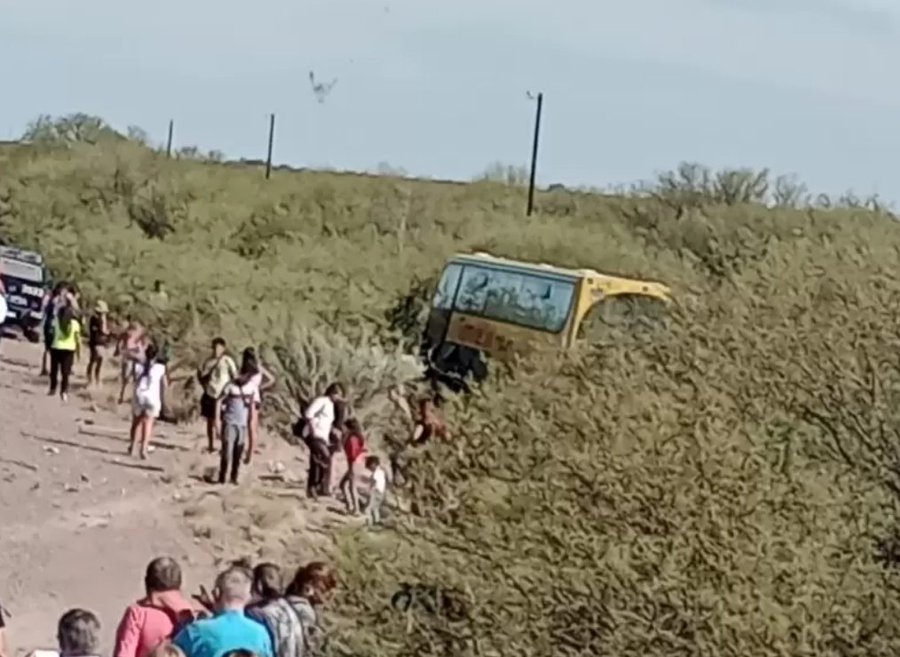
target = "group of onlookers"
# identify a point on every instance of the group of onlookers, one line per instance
(252, 612)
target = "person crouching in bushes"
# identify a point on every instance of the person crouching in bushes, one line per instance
(377, 490)
(354, 447)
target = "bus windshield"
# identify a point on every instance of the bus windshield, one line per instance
(25, 271)
(524, 298)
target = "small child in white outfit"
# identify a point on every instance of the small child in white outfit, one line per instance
(377, 490)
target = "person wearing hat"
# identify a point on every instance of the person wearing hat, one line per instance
(98, 341)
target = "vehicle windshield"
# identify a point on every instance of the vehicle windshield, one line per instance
(25, 271)
(522, 298)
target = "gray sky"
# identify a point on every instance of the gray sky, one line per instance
(439, 88)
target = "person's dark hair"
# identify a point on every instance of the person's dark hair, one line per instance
(157, 285)
(334, 390)
(163, 574)
(249, 362)
(150, 355)
(66, 315)
(240, 652)
(313, 581)
(59, 288)
(218, 342)
(78, 633)
(353, 425)
(372, 462)
(268, 583)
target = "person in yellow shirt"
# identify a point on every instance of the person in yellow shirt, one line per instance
(64, 350)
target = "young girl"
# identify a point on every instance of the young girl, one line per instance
(354, 447)
(147, 403)
(130, 348)
(377, 490)
(260, 380)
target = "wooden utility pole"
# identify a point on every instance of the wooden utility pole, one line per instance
(169, 140)
(534, 154)
(271, 142)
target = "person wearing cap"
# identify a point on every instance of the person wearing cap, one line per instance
(98, 341)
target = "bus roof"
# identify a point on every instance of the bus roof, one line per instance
(575, 274)
(23, 255)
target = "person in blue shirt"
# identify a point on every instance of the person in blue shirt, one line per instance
(229, 629)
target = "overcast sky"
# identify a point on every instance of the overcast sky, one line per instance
(439, 88)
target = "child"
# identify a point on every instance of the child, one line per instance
(377, 490)
(147, 402)
(238, 397)
(354, 447)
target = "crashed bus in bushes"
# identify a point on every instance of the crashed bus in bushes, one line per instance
(490, 307)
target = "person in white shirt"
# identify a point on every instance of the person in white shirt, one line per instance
(147, 401)
(377, 490)
(320, 424)
(260, 381)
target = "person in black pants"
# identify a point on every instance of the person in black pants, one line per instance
(66, 346)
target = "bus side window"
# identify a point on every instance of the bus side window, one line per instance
(473, 290)
(443, 295)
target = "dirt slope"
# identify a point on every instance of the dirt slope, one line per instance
(79, 519)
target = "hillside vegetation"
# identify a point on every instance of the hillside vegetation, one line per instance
(727, 485)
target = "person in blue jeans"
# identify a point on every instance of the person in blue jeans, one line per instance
(229, 629)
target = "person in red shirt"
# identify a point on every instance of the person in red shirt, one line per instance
(354, 447)
(158, 616)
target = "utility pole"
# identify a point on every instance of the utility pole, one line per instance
(534, 153)
(169, 140)
(271, 142)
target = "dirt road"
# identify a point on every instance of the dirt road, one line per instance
(79, 520)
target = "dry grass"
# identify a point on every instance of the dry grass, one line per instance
(726, 484)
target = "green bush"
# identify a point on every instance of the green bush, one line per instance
(724, 483)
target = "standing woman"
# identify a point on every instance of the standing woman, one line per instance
(98, 339)
(49, 309)
(261, 380)
(147, 403)
(64, 350)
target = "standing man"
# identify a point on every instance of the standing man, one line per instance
(214, 375)
(320, 416)
(229, 629)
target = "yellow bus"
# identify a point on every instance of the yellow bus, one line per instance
(489, 306)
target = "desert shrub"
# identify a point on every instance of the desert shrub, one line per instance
(723, 484)
(659, 496)
(306, 360)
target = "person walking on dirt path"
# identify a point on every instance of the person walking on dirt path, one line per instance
(260, 381)
(130, 347)
(235, 421)
(156, 617)
(354, 447)
(214, 375)
(64, 351)
(320, 420)
(98, 341)
(229, 629)
(147, 401)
